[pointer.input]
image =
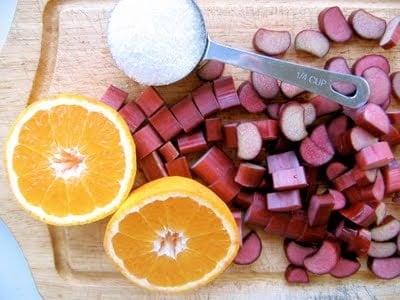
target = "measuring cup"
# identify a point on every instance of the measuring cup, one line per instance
(312, 79)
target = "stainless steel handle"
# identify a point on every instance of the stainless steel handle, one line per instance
(312, 79)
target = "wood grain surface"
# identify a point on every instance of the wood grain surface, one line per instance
(60, 46)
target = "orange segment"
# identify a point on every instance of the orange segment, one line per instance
(172, 234)
(70, 160)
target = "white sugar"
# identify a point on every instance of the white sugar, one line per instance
(156, 42)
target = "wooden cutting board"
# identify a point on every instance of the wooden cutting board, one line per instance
(60, 46)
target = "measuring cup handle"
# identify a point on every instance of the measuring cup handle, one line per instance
(312, 79)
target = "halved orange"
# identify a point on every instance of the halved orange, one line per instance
(172, 234)
(70, 160)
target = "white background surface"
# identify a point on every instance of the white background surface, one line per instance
(7, 9)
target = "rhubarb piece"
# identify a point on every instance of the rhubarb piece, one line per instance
(114, 97)
(225, 92)
(336, 128)
(339, 64)
(324, 260)
(211, 70)
(273, 110)
(284, 201)
(225, 186)
(250, 250)
(205, 100)
(296, 253)
(230, 135)
(339, 200)
(323, 105)
(164, 122)
(380, 212)
(296, 275)
(271, 42)
(391, 37)
(373, 118)
(249, 175)
(282, 161)
(269, 129)
(345, 268)
(178, 167)
(192, 142)
(379, 83)
(375, 156)
(391, 175)
(267, 87)
(212, 165)
(354, 140)
(364, 177)
(382, 249)
(292, 122)
(152, 166)
(147, 140)
(244, 199)
(168, 151)
(388, 229)
(310, 113)
(278, 223)
(371, 194)
(320, 209)
(249, 98)
(213, 128)
(385, 268)
(313, 234)
(287, 179)
(392, 137)
(320, 137)
(344, 181)
(238, 216)
(333, 24)
(371, 60)
(187, 114)
(361, 244)
(132, 115)
(297, 224)
(312, 42)
(366, 25)
(249, 141)
(335, 169)
(395, 77)
(290, 90)
(257, 213)
(149, 101)
(359, 213)
(394, 117)
(345, 233)
(313, 154)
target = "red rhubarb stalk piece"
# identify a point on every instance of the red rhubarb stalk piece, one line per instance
(147, 140)
(381, 213)
(339, 200)
(249, 141)
(114, 97)
(282, 161)
(249, 98)
(249, 174)
(323, 105)
(273, 110)
(225, 187)
(335, 169)
(244, 199)
(271, 42)
(313, 154)
(310, 113)
(392, 137)
(359, 213)
(257, 213)
(391, 176)
(164, 122)
(388, 229)
(205, 100)
(294, 178)
(213, 127)
(334, 25)
(168, 151)
(320, 209)
(366, 25)
(278, 223)
(382, 249)
(345, 268)
(296, 275)
(178, 167)
(395, 77)
(297, 224)
(385, 268)
(339, 64)
(373, 118)
(375, 156)
(380, 85)
(296, 253)
(187, 114)
(267, 87)
(225, 92)
(192, 142)
(290, 91)
(230, 135)
(345, 233)
(391, 37)
(313, 42)
(132, 115)
(211, 70)
(238, 216)
(149, 101)
(284, 201)
(324, 260)
(152, 166)
(250, 250)
(292, 121)
(371, 60)
(336, 128)
(344, 181)
(269, 129)
(313, 234)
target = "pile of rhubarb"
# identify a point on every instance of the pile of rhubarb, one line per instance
(295, 165)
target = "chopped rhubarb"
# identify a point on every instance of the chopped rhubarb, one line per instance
(296, 275)
(165, 124)
(320, 209)
(250, 249)
(250, 100)
(213, 128)
(205, 100)
(278, 223)
(361, 244)
(178, 167)
(249, 141)
(297, 224)
(290, 90)
(114, 97)
(294, 178)
(375, 156)
(339, 200)
(132, 115)
(344, 181)
(230, 135)
(147, 140)
(335, 169)
(282, 161)
(391, 175)
(192, 142)
(284, 201)
(392, 137)
(249, 174)
(168, 151)
(149, 101)
(244, 199)
(225, 92)
(187, 114)
(324, 106)
(225, 186)
(152, 166)
(359, 213)
(257, 213)
(267, 87)
(372, 118)
(238, 216)
(296, 253)
(211, 70)
(371, 60)
(269, 129)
